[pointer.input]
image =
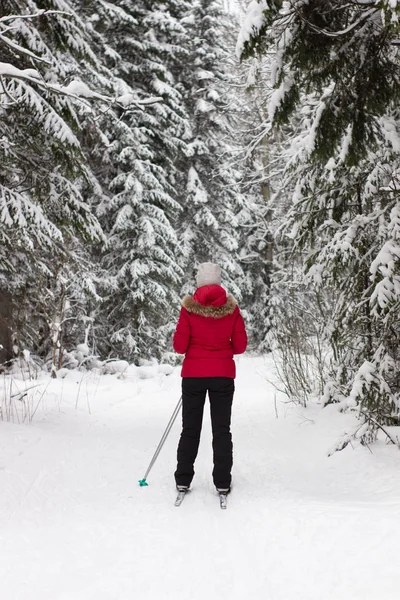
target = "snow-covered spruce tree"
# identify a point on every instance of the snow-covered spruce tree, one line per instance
(288, 316)
(337, 70)
(45, 184)
(267, 257)
(255, 252)
(143, 43)
(260, 186)
(209, 184)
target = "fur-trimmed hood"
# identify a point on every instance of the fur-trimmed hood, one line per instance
(217, 312)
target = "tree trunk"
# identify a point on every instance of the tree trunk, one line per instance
(6, 352)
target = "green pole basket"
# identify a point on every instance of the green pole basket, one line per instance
(143, 482)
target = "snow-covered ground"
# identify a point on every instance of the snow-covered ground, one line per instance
(75, 525)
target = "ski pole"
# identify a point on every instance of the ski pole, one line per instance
(143, 482)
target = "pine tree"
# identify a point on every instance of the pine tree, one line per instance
(45, 182)
(140, 206)
(337, 74)
(261, 188)
(210, 193)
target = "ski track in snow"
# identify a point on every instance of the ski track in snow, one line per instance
(75, 525)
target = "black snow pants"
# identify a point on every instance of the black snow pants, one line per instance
(220, 391)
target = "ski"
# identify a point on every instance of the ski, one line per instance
(180, 497)
(223, 500)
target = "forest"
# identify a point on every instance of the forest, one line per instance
(139, 139)
(217, 180)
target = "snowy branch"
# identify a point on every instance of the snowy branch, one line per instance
(22, 50)
(40, 13)
(369, 417)
(19, 48)
(348, 29)
(76, 89)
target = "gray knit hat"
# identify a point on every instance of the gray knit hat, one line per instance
(208, 274)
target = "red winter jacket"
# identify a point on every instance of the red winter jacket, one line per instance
(210, 331)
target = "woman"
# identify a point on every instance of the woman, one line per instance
(210, 331)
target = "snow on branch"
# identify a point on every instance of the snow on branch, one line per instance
(390, 131)
(16, 46)
(360, 21)
(252, 24)
(8, 70)
(22, 50)
(386, 259)
(17, 210)
(127, 99)
(40, 13)
(119, 12)
(360, 432)
(386, 265)
(278, 96)
(347, 438)
(75, 89)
